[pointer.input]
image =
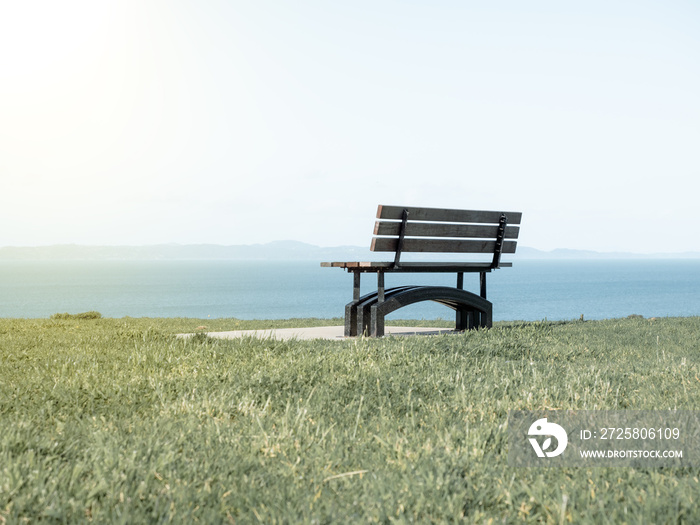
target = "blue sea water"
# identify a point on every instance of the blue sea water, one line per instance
(531, 290)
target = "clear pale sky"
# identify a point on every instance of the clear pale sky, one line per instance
(238, 122)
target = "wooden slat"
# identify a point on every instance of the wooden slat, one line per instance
(446, 215)
(388, 244)
(429, 229)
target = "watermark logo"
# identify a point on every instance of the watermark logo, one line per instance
(541, 428)
(615, 438)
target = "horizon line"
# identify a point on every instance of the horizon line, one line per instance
(554, 251)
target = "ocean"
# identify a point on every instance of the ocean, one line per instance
(532, 290)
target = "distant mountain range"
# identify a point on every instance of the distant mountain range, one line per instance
(275, 251)
(563, 253)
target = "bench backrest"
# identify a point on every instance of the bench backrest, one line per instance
(409, 229)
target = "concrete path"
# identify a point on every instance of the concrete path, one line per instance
(321, 332)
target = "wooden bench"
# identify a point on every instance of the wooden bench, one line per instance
(401, 229)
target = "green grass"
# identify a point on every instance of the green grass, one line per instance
(118, 420)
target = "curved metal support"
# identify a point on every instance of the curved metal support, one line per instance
(357, 321)
(472, 310)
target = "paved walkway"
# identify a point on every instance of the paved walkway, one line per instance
(321, 332)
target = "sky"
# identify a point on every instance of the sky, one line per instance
(136, 122)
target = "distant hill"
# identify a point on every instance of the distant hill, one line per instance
(278, 250)
(272, 251)
(562, 253)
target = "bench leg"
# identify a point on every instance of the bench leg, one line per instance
(470, 319)
(356, 286)
(487, 319)
(376, 322)
(461, 316)
(376, 328)
(462, 319)
(351, 319)
(351, 328)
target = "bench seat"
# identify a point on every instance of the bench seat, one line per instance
(413, 267)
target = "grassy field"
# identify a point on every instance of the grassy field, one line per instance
(118, 420)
